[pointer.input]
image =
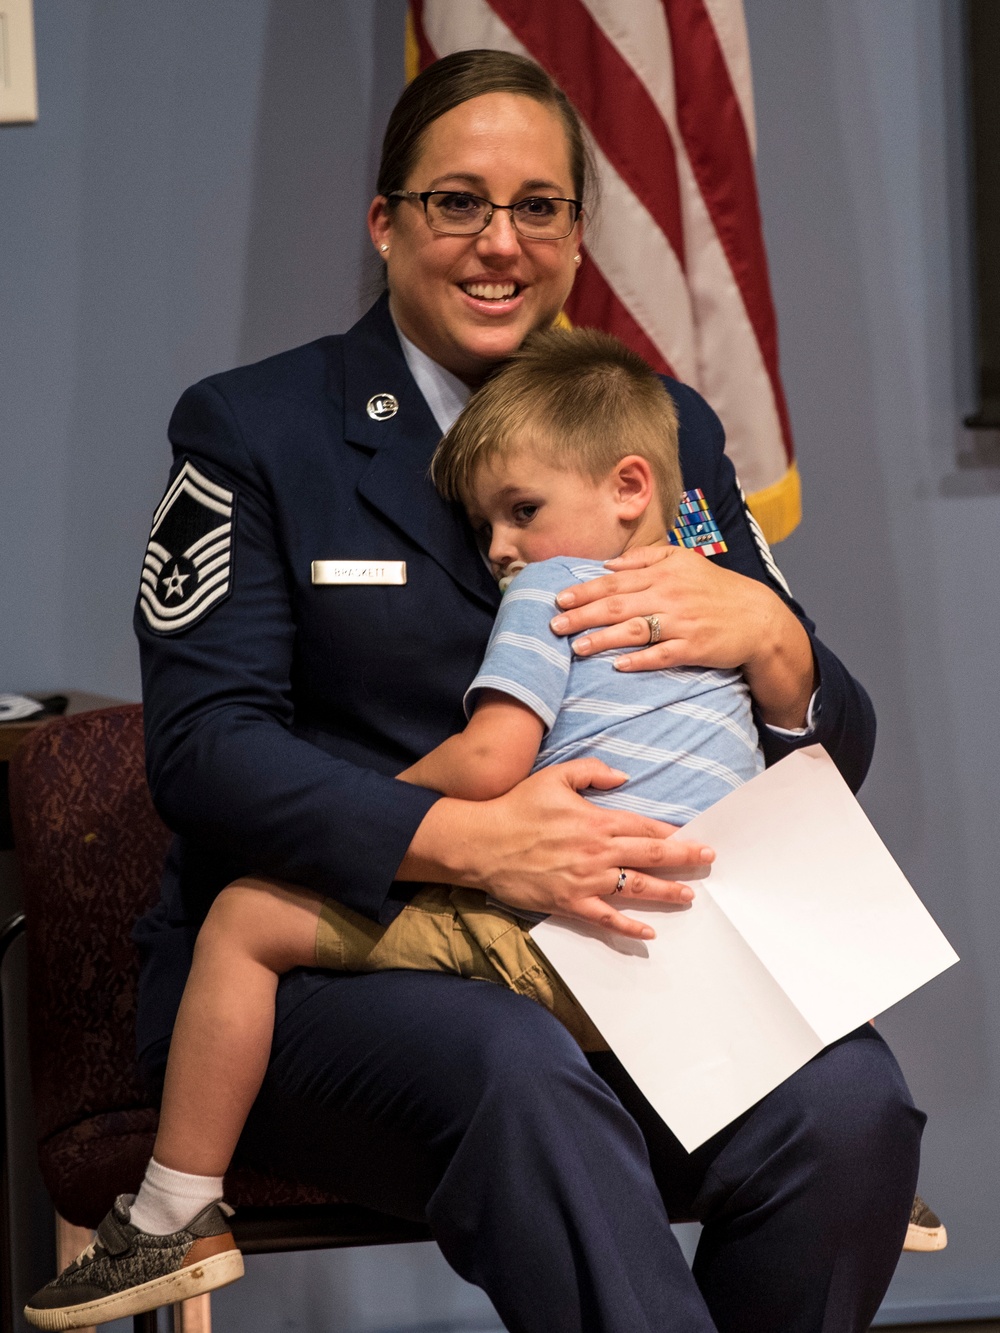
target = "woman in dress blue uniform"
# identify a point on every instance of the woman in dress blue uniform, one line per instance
(290, 672)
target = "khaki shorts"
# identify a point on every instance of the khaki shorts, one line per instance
(451, 930)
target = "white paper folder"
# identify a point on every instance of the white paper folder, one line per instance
(803, 929)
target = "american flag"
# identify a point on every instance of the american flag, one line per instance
(675, 265)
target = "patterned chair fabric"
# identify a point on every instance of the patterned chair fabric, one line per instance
(91, 850)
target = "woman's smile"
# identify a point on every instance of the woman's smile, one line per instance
(491, 296)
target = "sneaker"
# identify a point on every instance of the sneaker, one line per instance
(125, 1271)
(926, 1231)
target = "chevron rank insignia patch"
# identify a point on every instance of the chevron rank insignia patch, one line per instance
(696, 527)
(188, 562)
(763, 550)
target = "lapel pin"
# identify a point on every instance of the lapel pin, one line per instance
(382, 406)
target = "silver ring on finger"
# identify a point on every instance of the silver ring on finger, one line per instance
(622, 879)
(654, 629)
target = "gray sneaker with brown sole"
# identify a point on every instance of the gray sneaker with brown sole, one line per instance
(926, 1231)
(125, 1271)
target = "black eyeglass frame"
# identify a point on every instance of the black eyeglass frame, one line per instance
(424, 195)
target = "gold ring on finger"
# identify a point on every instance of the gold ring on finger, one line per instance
(654, 629)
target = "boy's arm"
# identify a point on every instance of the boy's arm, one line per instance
(494, 752)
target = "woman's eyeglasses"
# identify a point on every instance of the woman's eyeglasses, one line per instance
(455, 213)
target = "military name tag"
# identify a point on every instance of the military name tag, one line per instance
(328, 572)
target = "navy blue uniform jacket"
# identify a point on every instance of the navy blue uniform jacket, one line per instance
(276, 721)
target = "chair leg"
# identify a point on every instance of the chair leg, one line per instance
(9, 932)
(71, 1241)
(145, 1323)
(194, 1315)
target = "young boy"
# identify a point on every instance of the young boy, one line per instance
(566, 458)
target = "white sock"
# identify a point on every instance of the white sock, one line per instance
(168, 1200)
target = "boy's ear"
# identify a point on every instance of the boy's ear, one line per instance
(633, 486)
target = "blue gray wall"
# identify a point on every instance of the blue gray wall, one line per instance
(862, 170)
(193, 197)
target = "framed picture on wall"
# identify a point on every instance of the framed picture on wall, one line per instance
(18, 85)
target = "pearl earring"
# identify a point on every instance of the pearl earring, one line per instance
(576, 259)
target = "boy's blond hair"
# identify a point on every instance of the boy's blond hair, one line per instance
(578, 398)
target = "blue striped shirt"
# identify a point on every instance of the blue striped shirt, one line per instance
(685, 735)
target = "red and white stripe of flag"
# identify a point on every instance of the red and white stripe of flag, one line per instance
(677, 267)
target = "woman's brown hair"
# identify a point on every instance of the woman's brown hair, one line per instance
(459, 78)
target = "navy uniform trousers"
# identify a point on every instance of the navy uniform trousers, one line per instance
(549, 1181)
(278, 711)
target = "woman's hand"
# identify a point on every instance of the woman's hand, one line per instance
(542, 847)
(709, 616)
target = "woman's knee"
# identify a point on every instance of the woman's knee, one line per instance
(854, 1102)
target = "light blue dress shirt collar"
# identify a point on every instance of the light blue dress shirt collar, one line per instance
(444, 392)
